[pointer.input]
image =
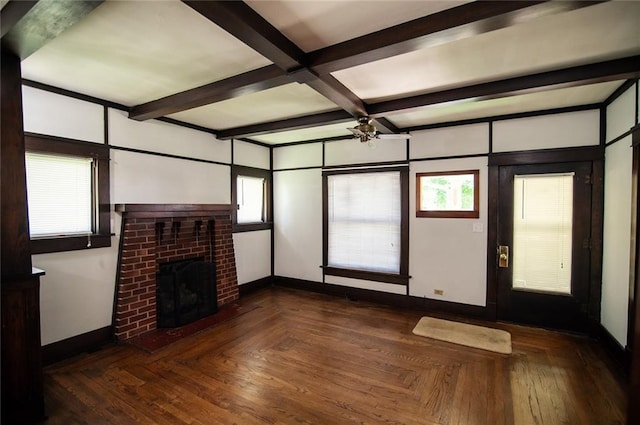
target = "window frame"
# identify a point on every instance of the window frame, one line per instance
(475, 213)
(267, 175)
(401, 278)
(101, 206)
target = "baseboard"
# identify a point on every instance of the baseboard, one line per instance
(394, 300)
(620, 355)
(84, 343)
(253, 286)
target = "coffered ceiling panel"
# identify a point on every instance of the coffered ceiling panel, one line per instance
(471, 108)
(290, 100)
(316, 24)
(131, 52)
(591, 34)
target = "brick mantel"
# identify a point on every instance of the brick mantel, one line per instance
(156, 233)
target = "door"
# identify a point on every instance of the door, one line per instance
(543, 253)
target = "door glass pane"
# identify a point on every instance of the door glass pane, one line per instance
(542, 232)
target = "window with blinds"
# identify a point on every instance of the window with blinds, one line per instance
(542, 232)
(364, 218)
(250, 197)
(60, 195)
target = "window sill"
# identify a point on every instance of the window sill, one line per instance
(68, 243)
(251, 227)
(395, 279)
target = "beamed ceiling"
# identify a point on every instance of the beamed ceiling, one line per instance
(289, 71)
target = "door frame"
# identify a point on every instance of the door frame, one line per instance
(595, 154)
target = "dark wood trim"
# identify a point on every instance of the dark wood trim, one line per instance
(384, 298)
(85, 343)
(254, 142)
(633, 415)
(70, 243)
(272, 238)
(13, 12)
(51, 18)
(543, 156)
(254, 286)
(16, 249)
(505, 117)
(101, 236)
(597, 231)
(238, 85)
(310, 141)
(449, 25)
(252, 227)
(287, 124)
(383, 125)
(73, 94)
(439, 158)
(603, 126)
(402, 278)
(493, 180)
(168, 155)
(366, 167)
(612, 347)
(490, 137)
(475, 213)
(616, 69)
(619, 92)
(338, 93)
(240, 170)
(188, 125)
(620, 137)
(192, 209)
(299, 168)
(105, 122)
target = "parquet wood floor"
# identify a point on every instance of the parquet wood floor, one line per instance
(305, 358)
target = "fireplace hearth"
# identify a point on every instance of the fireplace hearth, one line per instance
(186, 292)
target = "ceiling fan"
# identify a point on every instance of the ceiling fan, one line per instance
(365, 131)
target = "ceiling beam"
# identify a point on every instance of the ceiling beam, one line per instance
(617, 69)
(449, 25)
(44, 22)
(12, 12)
(245, 24)
(306, 121)
(249, 82)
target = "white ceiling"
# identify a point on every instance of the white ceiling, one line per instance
(133, 52)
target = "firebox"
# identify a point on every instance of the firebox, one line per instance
(185, 292)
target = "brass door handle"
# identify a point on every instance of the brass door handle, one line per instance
(503, 256)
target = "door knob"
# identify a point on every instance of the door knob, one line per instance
(503, 256)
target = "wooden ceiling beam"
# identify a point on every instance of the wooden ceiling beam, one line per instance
(43, 22)
(306, 121)
(245, 24)
(449, 25)
(249, 82)
(12, 12)
(617, 69)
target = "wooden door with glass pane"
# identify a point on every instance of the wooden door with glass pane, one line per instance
(543, 248)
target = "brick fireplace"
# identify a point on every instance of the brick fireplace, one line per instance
(153, 234)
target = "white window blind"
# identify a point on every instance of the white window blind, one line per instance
(250, 196)
(59, 194)
(542, 232)
(364, 221)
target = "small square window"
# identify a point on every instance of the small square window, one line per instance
(452, 194)
(251, 195)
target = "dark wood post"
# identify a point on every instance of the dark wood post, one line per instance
(22, 388)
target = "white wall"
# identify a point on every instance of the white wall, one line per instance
(297, 205)
(77, 290)
(570, 129)
(449, 253)
(253, 255)
(617, 218)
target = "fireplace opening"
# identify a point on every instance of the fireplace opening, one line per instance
(186, 291)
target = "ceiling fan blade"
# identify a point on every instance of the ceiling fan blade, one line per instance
(393, 136)
(356, 132)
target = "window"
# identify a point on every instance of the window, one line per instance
(251, 193)
(67, 194)
(452, 194)
(365, 224)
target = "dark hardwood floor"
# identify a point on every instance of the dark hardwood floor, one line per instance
(308, 358)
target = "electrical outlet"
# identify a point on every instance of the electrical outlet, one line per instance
(438, 291)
